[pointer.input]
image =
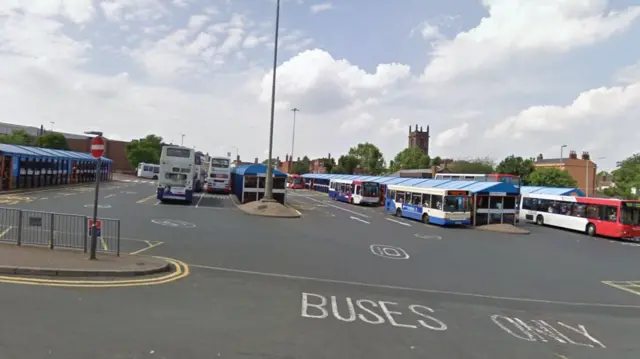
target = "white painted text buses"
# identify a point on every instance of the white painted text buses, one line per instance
(429, 205)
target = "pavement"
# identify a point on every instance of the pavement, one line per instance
(266, 209)
(343, 281)
(42, 261)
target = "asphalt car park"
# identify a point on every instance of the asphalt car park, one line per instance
(342, 281)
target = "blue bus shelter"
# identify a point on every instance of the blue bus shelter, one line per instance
(248, 183)
(31, 167)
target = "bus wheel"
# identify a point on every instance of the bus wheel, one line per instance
(591, 230)
(539, 220)
(425, 218)
(398, 212)
(155, 177)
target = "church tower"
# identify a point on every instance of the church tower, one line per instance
(419, 139)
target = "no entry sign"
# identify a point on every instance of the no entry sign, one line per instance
(97, 147)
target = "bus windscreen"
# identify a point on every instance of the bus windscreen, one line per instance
(178, 152)
(219, 163)
(370, 189)
(630, 213)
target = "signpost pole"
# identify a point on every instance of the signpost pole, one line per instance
(94, 229)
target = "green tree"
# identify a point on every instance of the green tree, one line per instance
(477, 165)
(627, 176)
(436, 161)
(347, 164)
(368, 156)
(17, 137)
(551, 177)
(147, 149)
(517, 166)
(329, 164)
(409, 158)
(53, 140)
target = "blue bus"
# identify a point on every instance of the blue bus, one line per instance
(429, 205)
(354, 191)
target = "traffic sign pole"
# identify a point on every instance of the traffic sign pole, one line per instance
(97, 151)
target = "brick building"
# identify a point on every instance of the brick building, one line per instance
(581, 169)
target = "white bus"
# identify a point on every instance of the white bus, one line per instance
(177, 177)
(218, 176)
(148, 170)
(429, 205)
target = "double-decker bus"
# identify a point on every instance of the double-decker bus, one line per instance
(605, 217)
(177, 176)
(491, 177)
(429, 205)
(148, 170)
(218, 176)
(295, 181)
(354, 192)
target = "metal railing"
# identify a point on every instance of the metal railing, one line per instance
(56, 230)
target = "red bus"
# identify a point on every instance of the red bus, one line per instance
(295, 181)
(605, 217)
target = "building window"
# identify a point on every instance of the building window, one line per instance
(422, 143)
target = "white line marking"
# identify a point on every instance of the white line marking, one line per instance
(402, 223)
(420, 290)
(109, 195)
(200, 199)
(157, 203)
(44, 198)
(338, 207)
(360, 220)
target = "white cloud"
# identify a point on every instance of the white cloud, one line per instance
(588, 111)
(525, 28)
(629, 74)
(452, 137)
(132, 10)
(252, 41)
(316, 8)
(78, 11)
(358, 122)
(314, 80)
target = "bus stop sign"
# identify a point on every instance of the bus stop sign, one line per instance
(97, 147)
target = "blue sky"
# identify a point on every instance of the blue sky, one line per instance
(491, 78)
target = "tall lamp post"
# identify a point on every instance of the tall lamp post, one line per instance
(182, 140)
(293, 136)
(562, 151)
(586, 166)
(268, 190)
(94, 229)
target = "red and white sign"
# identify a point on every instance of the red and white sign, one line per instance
(98, 227)
(97, 147)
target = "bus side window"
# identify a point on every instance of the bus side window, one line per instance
(436, 201)
(426, 200)
(592, 211)
(358, 189)
(392, 194)
(608, 213)
(399, 197)
(417, 199)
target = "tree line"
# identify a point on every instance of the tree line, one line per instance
(367, 158)
(52, 140)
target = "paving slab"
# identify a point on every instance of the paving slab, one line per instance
(42, 261)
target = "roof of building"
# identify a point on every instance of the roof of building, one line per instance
(255, 169)
(555, 191)
(33, 131)
(550, 161)
(17, 150)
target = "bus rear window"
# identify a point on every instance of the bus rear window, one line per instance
(219, 163)
(178, 152)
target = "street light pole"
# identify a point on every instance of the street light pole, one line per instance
(293, 136)
(562, 151)
(94, 229)
(268, 191)
(182, 140)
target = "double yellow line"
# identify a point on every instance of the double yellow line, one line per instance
(181, 271)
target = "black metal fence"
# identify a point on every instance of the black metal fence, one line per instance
(57, 230)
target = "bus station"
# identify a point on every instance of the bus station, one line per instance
(24, 167)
